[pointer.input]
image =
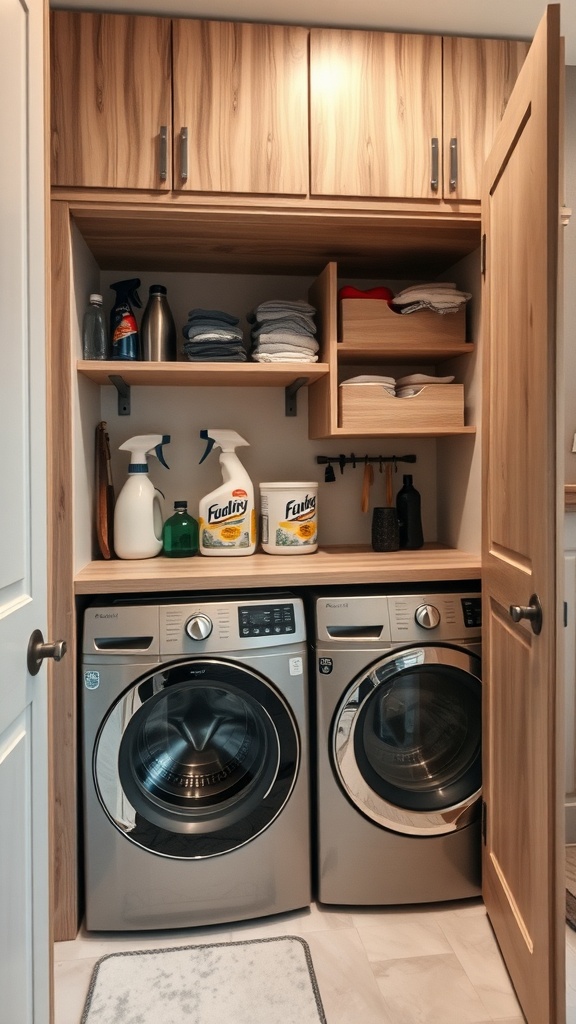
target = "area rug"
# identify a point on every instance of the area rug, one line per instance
(260, 981)
(571, 886)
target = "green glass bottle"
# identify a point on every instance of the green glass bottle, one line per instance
(180, 533)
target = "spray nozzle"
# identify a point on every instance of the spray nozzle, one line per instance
(226, 440)
(142, 446)
(128, 290)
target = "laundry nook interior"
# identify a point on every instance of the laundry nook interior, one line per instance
(290, 714)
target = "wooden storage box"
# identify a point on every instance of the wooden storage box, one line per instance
(369, 321)
(370, 407)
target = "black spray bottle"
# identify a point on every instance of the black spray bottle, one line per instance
(409, 515)
(125, 342)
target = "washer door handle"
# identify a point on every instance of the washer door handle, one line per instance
(532, 612)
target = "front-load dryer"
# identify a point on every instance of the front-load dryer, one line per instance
(398, 747)
(195, 761)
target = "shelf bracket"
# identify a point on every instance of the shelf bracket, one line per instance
(123, 390)
(290, 392)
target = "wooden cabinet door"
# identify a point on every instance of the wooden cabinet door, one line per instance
(479, 75)
(523, 860)
(111, 100)
(375, 107)
(240, 107)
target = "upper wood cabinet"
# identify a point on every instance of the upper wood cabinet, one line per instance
(240, 107)
(375, 111)
(479, 75)
(111, 100)
(418, 113)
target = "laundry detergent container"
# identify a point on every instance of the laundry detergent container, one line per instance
(289, 518)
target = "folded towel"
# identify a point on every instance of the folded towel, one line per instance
(283, 357)
(282, 306)
(213, 314)
(440, 296)
(287, 340)
(299, 324)
(203, 333)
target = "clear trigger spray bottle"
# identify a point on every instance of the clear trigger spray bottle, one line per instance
(138, 514)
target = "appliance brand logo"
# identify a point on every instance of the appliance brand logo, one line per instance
(337, 604)
(106, 615)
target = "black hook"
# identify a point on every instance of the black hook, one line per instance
(329, 475)
(342, 461)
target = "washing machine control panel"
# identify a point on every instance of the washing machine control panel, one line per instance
(266, 620)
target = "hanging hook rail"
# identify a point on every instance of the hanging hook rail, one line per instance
(354, 460)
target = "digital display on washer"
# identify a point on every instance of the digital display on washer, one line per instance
(472, 612)
(266, 620)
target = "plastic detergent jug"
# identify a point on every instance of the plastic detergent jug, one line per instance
(227, 515)
(138, 514)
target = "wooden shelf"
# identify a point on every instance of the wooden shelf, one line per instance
(344, 566)
(180, 374)
(414, 352)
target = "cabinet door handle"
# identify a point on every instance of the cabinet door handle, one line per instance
(434, 178)
(184, 154)
(453, 164)
(163, 152)
(532, 612)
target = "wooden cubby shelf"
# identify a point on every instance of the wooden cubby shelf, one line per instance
(181, 374)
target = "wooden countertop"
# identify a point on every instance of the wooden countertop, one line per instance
(342, 566)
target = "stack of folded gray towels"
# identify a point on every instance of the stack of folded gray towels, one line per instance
(213, 336)
(283, 331)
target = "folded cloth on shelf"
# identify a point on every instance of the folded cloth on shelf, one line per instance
(284, 339)
(219, 351)
(440, 296)
(296, 323)
(213, 314)
(280, 307)
(284, 357)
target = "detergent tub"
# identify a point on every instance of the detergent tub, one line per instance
(288, 518)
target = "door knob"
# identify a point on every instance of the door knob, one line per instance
(533, 612)
(38, 650)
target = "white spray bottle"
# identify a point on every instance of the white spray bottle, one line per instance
(227, 515)
(138, 512)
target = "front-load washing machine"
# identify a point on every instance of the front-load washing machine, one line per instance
(398, 747)
(195, 761)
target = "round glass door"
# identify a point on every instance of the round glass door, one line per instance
(407, 740)
(197, 759)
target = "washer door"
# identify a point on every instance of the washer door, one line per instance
(197, 759)
(406, 740)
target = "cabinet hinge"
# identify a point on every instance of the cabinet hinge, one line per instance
(483, 255)
(484, 822)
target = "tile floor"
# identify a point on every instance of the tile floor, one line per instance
(435, 964)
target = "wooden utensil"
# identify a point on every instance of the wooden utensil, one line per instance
(367, 481)
(389, 497)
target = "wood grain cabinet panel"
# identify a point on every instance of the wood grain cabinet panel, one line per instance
(479, 75)
(241, 93)
(375, 107)
(111, 95)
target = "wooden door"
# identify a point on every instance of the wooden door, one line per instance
(523, 880)
(111, 101)
(375, 109)
(479, 75)
(24, 790)
(240, 107)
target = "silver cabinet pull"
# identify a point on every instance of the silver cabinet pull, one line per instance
(184, 154)
(532, 612)
(163, 152)
(434, 178)
(453, 164)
